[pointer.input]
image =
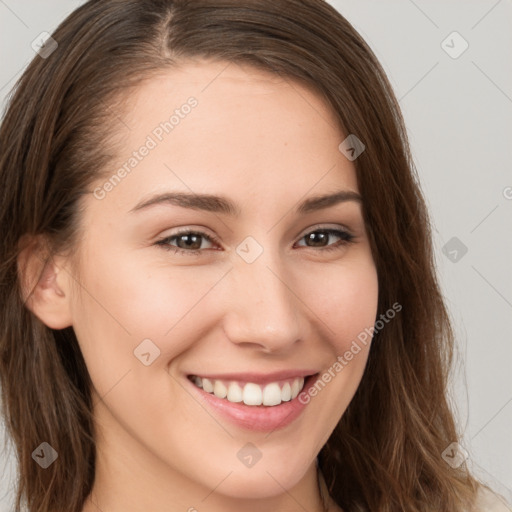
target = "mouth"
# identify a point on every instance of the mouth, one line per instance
(255, 402)
(269, 394)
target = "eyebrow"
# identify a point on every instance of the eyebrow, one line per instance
(220, 204)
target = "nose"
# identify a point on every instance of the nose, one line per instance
(263, 309)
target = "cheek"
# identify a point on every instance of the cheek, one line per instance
(345, 298)
(122, 306)
(347, 306)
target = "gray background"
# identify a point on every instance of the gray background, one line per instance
(459, 117)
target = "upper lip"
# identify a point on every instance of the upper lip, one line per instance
(258, 378)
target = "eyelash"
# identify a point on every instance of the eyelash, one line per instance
(345, 236)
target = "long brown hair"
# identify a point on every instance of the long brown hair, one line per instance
(57, 138)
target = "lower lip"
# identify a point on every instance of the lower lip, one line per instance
(259, 418)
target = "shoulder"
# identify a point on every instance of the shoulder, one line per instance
(488, 501)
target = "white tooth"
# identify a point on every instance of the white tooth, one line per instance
(286, 392)
(219, 390)
(252, 394)
(294, 389)
(272, 394)
(235, 393)
(207, 385)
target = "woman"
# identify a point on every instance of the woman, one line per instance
(218, 289)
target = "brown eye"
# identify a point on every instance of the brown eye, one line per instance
(188, 242)
(321, 237)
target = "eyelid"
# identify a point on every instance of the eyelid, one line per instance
(324, 227)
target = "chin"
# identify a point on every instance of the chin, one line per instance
(266, 479)
(250, 487)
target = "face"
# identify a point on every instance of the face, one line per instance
(261, 287)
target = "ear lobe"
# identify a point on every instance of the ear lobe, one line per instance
(44, 284)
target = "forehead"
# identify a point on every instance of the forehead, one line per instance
(213, 125)
(229, 94)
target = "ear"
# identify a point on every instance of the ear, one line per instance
(45, 283)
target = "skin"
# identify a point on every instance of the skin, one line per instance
(267, 144)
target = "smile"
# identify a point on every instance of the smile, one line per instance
(250, 393)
